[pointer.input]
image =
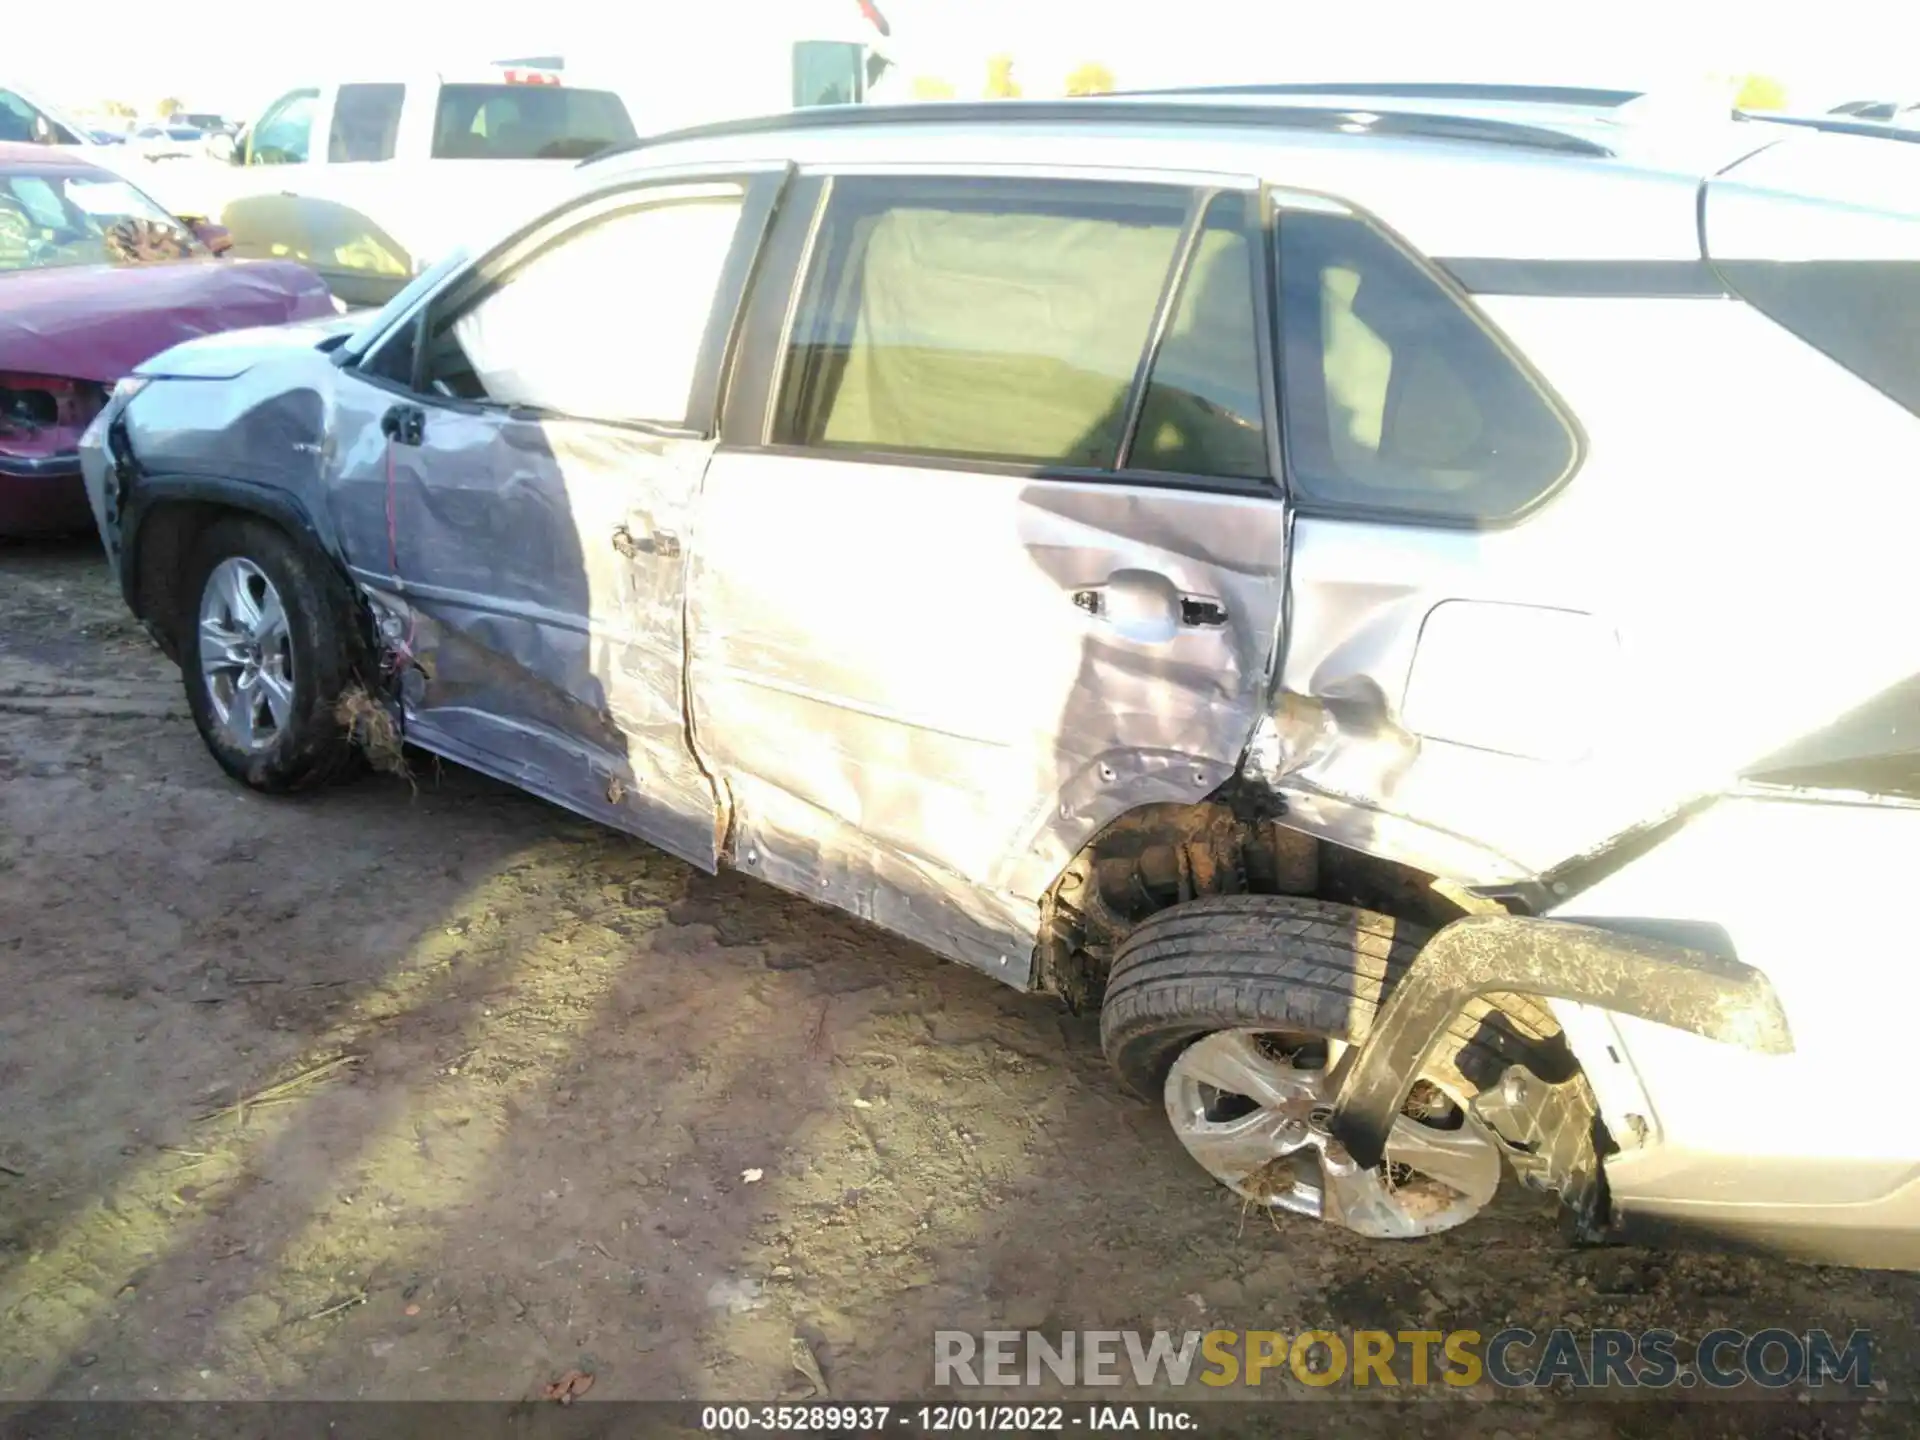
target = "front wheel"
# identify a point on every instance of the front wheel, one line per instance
(265, 654)
(1234, 1011)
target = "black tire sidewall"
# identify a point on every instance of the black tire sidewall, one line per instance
(1164, 994)
(311, 745)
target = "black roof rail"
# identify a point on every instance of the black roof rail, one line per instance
(1837, 125)
(1578, 95)
(1328, 119)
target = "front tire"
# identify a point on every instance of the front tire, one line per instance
(266, 652)
(1231, 1011)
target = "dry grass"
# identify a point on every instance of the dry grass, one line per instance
(283, 1092)
(373, 728)
(1274, 1177)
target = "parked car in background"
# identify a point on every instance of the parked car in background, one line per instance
(1905, 113)
(170, 139)
(94, 278)
(1358, 587)
(206, 122)
(176, 174)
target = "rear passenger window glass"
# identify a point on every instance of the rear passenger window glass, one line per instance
(527, 122)
(1202, 410)
(366, 120)
(982, 319)
(1395, 396)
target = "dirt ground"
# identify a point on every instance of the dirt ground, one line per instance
(529, 1097)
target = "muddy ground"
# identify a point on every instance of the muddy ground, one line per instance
(528, 1097)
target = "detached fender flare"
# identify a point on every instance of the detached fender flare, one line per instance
(1634, 974)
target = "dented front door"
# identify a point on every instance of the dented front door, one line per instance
(540, 566)
(543, 465)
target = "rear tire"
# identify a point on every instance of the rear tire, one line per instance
(298, 743)
(1283, 963)
(1232, 1012)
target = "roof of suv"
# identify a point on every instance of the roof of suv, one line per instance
(1565, 120)
(1531, 172)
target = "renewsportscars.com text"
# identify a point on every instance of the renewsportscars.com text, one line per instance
(1512, 1358)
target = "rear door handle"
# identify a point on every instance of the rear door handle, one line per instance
(1145, 605)
(661, 543)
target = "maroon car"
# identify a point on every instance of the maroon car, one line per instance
(94, 278)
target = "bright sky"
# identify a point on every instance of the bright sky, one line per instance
(235, 58)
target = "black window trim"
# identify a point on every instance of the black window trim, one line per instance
(760, 190)
(1316, 507)
(746, 385)
(1171, 286)
(1869, 368)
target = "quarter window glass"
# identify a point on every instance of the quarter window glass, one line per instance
(982, 319)
(1396, 397)
(283, 135)
(366, 122)
(1202, 410)
(607, 323)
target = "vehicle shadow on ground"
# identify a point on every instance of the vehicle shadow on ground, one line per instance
(655, 1125)
(603, 1113)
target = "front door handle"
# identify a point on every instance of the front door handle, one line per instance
(662, 543)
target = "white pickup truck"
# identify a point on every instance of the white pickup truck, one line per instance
(370, 182)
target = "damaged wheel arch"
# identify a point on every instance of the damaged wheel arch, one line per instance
(162, 521)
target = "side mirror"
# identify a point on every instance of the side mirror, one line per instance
(42, 130)
(216, 238)
(220, 147)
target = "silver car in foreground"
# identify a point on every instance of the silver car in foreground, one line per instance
(1403, 599)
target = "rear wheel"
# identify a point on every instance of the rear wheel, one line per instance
(265, 654)
(1234, 1012)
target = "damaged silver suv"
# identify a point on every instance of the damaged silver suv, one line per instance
(1363, 588)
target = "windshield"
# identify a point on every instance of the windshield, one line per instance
(48, 219)
(527, 122)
